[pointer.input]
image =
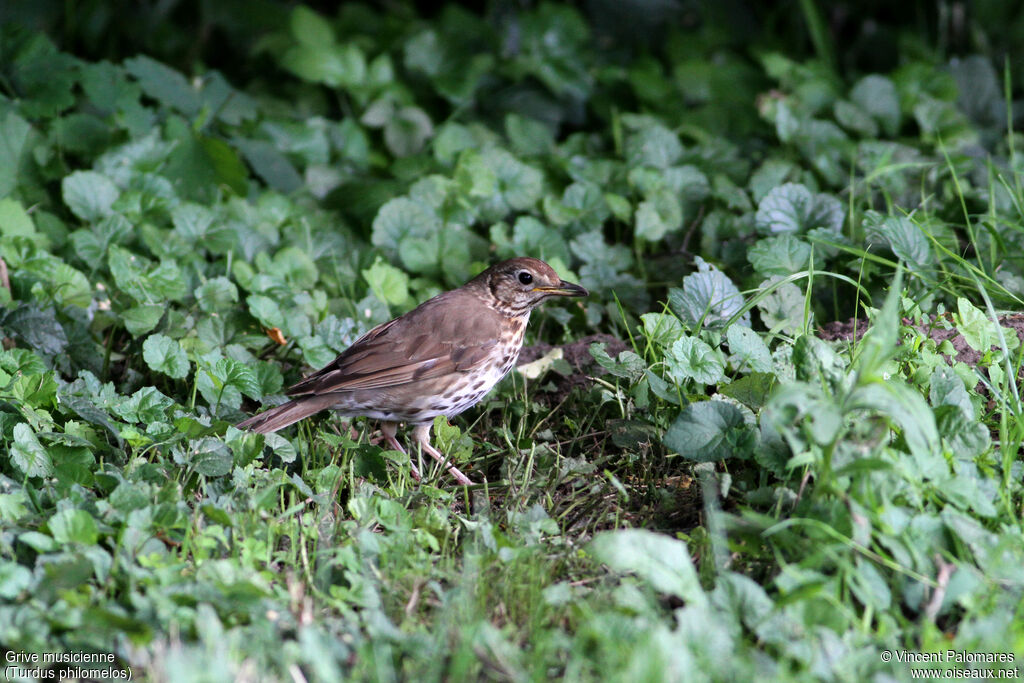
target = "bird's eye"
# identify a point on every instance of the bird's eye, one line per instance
(525, 277)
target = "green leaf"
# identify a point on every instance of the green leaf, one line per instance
(146, 405)
(708, 296)
(217, 295)
(877, 96)
(662, 561)
(15, 135)
(751, 390)
(782, 309)
(74, 526)
(658, 216)
(652, 144)
(407, 131)
(905, 239)
(14, 220)
(905, 407)
(89, 195)
(750, 351)
(691, 358)
(28, 455)
(816, 362)
(163, 354)
(14, 579)
(980, 332)
(164, 84)
(309, 28)
(389, 284)
(661, 328)
(792, 208)
(210, 457)
(37, 328)
(711, 430)
(266, 310)
(139, 320)
(783, 254)
(629, 365)
(947, 389)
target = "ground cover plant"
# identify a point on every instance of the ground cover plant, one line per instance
(780, 439)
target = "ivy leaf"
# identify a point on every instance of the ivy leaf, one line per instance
(711, 430)
(163, 354)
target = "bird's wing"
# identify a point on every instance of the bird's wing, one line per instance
(435, 339)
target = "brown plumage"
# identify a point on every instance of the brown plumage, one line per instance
(438, 359)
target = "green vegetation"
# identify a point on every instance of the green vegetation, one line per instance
(721, 494)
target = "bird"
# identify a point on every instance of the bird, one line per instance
(440, 358)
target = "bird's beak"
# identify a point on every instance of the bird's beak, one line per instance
(563, 289)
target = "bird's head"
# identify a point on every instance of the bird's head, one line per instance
(520, 284)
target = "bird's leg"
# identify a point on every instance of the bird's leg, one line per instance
(389, 429)
(421, 435)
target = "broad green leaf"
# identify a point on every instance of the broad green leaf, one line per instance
(749, 349)
(905, 239)
(210, 457)
(407, 131)
(28, 455)
(37, 328)
(661, 329)
(74, 526)
(164, 84)
(217, 295)
(15, 135)
(628, 364)
(89, 195)
(947, 389)
(14, 579)
(662, 561)
(793, 208)
(877, 96)
(783, 254)
(981, 333)
(146, 405)
(816, 362)
(783, 308)
(310, 28)
(652, 144)
(388, 283)
(14, 220)
(708, 297)
(163, 354)
(751, 390)
(691, 358)
(266, 310)
(707, 431)
(139, 320)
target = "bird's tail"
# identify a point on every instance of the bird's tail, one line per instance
(286, 414)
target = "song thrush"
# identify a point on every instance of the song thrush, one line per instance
(438, 359)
